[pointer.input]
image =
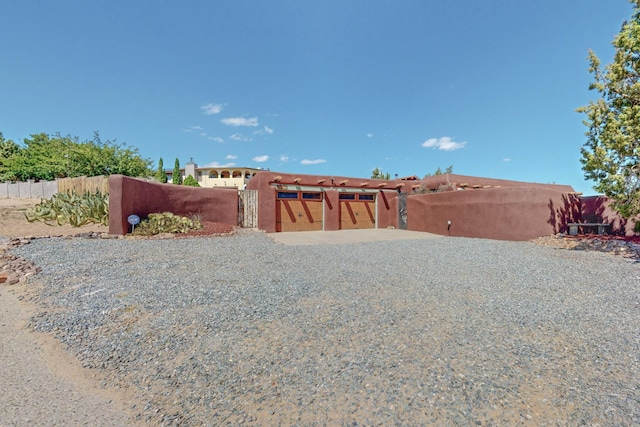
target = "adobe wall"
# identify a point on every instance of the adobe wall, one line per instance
(131, 196)
(598, 209)
(515, 213)
(262, 181)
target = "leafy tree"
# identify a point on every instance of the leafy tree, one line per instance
(46, 157)
(611, 155)
(378, 174)
(7, 149)
(161, 176)
(190, 181)
(440, 172)
(176, 178)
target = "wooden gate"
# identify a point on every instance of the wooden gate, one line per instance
(248, 208)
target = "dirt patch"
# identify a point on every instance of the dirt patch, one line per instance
(13, 222)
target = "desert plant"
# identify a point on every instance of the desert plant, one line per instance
(72, 208)
(421, 190)
(444, 187)
(166, 222)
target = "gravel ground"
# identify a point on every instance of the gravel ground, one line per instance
(452, 331)
(37, 392)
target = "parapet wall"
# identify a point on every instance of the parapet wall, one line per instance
(131, 196)
(515, 213)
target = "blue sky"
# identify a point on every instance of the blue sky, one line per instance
(327, 87)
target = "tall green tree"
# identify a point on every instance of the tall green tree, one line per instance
(176, 178)
(8, 149)
(161, 176)
(440, 171)
(378, 174)
(611, 155)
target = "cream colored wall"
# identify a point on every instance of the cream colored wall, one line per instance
(239, 182)
(205, 181)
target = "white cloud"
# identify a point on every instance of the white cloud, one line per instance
(231, 157)
(216, 139)
(443, 143)
(240, 121)
(369, 135)
(312, 162)
(192, 128)
(239, 137)
(284, 158)
(266, 129)
(203, 134)
(260, 159)
(211, 109)
(219, 165)
(506, 159)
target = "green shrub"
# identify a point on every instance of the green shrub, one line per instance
(166, 222)
(190, 181)
(72, 208)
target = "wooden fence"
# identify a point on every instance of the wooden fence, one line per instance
(81, 184)
(46, 189)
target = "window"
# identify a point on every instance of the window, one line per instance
(347, 196)
(224, 174)
(287, 195)
(213, 174)
(370, 197)
(312, 196)
(237, 174)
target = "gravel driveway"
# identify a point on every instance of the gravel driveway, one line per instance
(450, 331)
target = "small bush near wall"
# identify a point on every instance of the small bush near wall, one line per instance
(167, 222)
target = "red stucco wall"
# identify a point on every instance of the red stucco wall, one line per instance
(129, 196)
(388, 209)
(515, 213)
(597, 209)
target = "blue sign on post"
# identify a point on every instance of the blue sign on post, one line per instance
(133, 220)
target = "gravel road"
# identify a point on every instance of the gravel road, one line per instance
(451, 331)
